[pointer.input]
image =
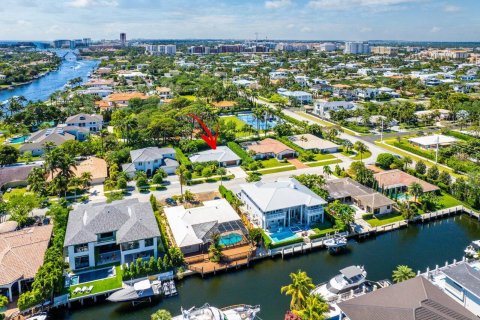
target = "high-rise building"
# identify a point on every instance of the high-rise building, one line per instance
(391, 51)
(123, 38)
(156, 50)
(328, 47)
(356, 48)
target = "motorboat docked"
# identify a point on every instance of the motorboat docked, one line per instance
(207, 312)
(139, 291)
(472, 249)
(38, 316)
(350, 278)
(335, 243)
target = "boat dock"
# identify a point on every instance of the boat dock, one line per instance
(446, 213)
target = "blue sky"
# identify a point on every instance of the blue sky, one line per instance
(436, 20)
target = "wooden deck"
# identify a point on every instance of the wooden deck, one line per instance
(232, 258)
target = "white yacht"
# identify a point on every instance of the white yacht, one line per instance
(472, 249)
(207, 312)
(336, 243)
(350, 278)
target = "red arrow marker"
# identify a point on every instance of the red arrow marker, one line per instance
(210, 139)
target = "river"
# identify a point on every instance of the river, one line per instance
(419, 246)
(42, 88)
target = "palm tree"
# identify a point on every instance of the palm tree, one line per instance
(361, 148)
(215, 250)
(36, 180)
(315, 308)
(347, 145)
(407, 161)
(416, 190)
(299, 289)
(182, 173)
(402, 273)
(85, 178)
(258, 113)
(221, 172)
(327, 171)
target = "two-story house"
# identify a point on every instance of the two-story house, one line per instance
(282, 203)
(150, 159)
(92, 122)
(101, 233)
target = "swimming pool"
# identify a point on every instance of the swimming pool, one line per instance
(230, 239)
(249, 119)
(18, 139)
(91, 276)
(283, 235)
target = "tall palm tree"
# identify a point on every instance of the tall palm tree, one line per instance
(258, 113)
(315, 308)
(327, 171)
(361, 148)
(407, 161)
(36, 180)
(416, 190)
(182, 173)
(299, 289)
(402, 273)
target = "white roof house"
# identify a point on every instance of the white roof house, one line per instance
(310, 142)
(428, 142)
(281, 194)
(191, 227)
(221, 154)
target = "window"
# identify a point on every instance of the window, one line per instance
(82, 262)
(149, 242)
(130, 245)
(140, 163)
(106, 236)
(81, 248)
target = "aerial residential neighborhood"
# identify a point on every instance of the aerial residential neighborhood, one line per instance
(213, 161)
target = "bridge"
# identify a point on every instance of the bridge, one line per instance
(69, 54)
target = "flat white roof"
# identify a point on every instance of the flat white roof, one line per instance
(182, 221)
(433, 140)
(309, 141)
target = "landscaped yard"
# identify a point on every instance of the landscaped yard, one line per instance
(275, 170)
(322, 229)
(16, 191)
(324, 163)
(273, 163)
(239, 126)
(323, 156)
(363, 156)
(100, 285)
(447, 201)
(384, 219)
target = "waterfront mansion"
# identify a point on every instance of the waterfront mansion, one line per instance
(282, 203)
(105, 233)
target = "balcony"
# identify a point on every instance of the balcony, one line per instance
(108, 258)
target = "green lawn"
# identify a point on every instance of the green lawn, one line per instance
(447, 201)
(323, 163)
(239, 124)
(363, 156)
(318, 120)
(278, 169)
(191, 98)
(323, 156)
(385, 219)
(322, 229)
(100, 285)
(273, 163)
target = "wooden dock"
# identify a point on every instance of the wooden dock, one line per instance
(444, 213)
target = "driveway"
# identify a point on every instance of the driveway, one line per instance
(237, 171)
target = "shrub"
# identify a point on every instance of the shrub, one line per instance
(235, 147)
(267, 242)
(285, 243)
(367, 216)
(385, 160)
(182, 158)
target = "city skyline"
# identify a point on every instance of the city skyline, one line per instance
(409, 20)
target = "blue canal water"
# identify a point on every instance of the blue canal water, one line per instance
(419, 246)
(43, 87)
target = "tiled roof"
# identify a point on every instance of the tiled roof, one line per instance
(414, 299)
(22, 253)
(114, 97)
(398, 178)
(221, 154)
(131, 219)
(269, 146)
(224, 104)
(466, 276)
(309, 141)
(150, 154)
(15, 173)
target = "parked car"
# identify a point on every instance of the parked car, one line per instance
(171, 202)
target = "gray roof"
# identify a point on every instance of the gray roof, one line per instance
(346, 187)
(150, 154)
(352, 271)
(221, 154)
(466, 276)
(132, 220)
(414, 299)
(15, 173)
(87, 118)
(281, 194)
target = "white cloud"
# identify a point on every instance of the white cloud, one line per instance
(435, 29)
(92, 3)
(451, 8)
(306, 29)
(352, 4)
(277, 4)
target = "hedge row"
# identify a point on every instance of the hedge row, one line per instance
(291, 120)
(182, 158)
(267, 242)
(235, 147)
(290, 144)
(227, 194)
(414, 150)
(459, 135)
(285, 243)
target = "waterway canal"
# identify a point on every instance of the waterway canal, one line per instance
(43, 87)
(419, 246)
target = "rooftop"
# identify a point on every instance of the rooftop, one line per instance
(150, 154)
(220, 154)
(309, 141)
(269, 146)
(433, 140)
(397, 178)
(466, 276)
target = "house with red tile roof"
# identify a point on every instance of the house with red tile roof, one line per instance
(270, 148)
(397, 179)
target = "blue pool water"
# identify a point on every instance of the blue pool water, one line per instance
(91, 276)
(230, 239)
(283, 236)
(249, 119)
(19, 139)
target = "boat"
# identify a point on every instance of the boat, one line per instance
(207, 312)
(336, 243)
(138, 292)
(38, 316)
(350, 278)
(472, 249)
